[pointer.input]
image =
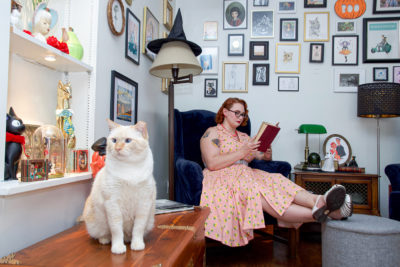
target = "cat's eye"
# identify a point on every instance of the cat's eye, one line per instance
(114, 140)
(16, 123)
(128, 140)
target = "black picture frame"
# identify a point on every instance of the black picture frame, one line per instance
(260, 74)
(210, 87)
(286, 34)
(378, 72)
(308, 5)
(347, 44)
(288, 87)
(228, 7)
(130, 48)
(261, 3)
(386, 10)
(233, 41)
(316, 52)
(396, 74)
(124, 96)
(259, 50)
(373, 45)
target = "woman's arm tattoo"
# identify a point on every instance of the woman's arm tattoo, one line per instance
(216, 142)
(206, 134)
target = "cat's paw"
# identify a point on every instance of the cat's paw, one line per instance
(104, 241)
(137, 244)
(118, 248)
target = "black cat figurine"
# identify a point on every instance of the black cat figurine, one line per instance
(14, 142)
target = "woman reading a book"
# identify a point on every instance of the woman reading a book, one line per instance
(238, 195)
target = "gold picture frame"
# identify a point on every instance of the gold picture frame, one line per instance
(235, 77)
(151, 28)
(168, 15)
(210, 31)
(164, 85)
(287, 57)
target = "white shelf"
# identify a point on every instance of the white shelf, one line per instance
(14, 187)
(32, 49)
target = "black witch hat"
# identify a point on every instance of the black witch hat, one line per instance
(176, 34)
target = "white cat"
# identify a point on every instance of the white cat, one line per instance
(121, 204)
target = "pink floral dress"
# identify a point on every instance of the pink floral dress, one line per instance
(234, 195)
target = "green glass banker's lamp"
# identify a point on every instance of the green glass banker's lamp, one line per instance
(309, 129)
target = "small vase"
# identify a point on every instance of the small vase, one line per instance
(74, 46)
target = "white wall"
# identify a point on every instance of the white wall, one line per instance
(315, 103)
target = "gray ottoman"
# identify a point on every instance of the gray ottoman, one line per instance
(361, 240)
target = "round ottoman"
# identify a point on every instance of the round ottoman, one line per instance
(361, 240)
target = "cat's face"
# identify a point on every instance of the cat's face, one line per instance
(14, 124)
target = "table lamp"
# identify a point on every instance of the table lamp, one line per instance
(308, 129)
(378, 100)
(176, 60)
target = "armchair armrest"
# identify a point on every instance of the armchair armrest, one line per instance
(394, 205)
(272, 166)
(188, 181)
(393, 173)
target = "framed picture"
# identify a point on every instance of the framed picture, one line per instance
(151, 28)
(262, 24)
(235, 14)
(260, 2)
(288, 30)
(347, 80)
(259, 50)
(346, 27)
(345, 50)
(288, 83)
(209, 60)
(286, 6)
(210, 31)
(316, 53)
(389, 6)
(235, 44)
(381, 40)
(124, 99)
(381, 74)
(287, 58)
(235, 77)
(260, 74)
(316, 26)
(132, 37)
(210, 87)
(396, 74)
(165, 85)
(315, 3)
(339, 147)
(168, 15)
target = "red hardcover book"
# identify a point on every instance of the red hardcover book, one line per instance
(266, 134)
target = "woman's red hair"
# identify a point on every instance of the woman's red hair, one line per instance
(219, 118)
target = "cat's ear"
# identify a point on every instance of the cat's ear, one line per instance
(11, 112)
(141, 126)
(112, 125)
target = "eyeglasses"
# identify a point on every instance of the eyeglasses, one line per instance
(238, 114)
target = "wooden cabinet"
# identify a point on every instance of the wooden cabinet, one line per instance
(363, 188)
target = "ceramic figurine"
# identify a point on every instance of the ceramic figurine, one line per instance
(15, 14)
(75, 47)
(353, 162)
(99, 156)
(64, 113)
(44, 19)
(328, 164)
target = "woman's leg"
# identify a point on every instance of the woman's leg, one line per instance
(294, 214)
(306, 199)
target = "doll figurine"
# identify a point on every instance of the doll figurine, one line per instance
(44, 19)
(328, 164)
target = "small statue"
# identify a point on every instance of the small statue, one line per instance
(353, 162)
(44, 19)
(15, 14)
(64, 113)
(329, 165)
(99, 156)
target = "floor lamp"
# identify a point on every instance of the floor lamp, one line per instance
(378, 100)
(175, 60)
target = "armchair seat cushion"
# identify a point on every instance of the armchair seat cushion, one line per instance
(393, 173)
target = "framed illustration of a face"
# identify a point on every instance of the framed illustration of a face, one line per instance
(210, 87)
(339, 148)
(210, 32)
(235, 14)
(316, 26)
(209, 60)
(235, 77)
(262, 24)
(316, 53)
(345, 50)
(151, 28)
(386, 6)
(314, 3)
(346, 27)
(348, 80)
(260, 74)
(124, 99)
(287, 58)
(381, 74)
(132, 37)
(286, 6)
(396, 74)
(259, 50)
(260, 2)
(288, 30)
(235, 44)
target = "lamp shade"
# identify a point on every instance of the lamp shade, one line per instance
(175, 54)
(312, 129)
(378, 100)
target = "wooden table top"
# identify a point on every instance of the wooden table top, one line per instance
(74, 247)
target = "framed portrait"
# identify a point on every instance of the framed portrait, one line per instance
(260, 74)
(165, 85)
(210, 87)
(288, 83)
(347, 80)
(124, 99)
(151, 28)
(235, 77)
(345, 50)
(339, 148)
(381, 40)
(346, 27)
(287, 58)
(286, 6)
(380, 74)
(209, 60)
(235, 14)
(315, 3)
(262, 24)
(390, 6)
(210, 31)
(316, 26)
(260, 2)
(396, 74)
(316, 53)
(235, 44)
(259, 50)
(132, 37)
(168, 15)
(288, 30)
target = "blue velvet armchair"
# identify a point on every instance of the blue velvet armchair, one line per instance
(393, 173)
